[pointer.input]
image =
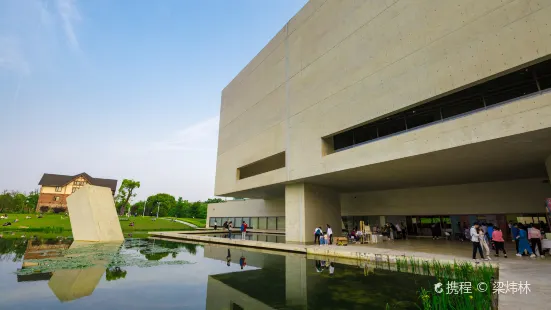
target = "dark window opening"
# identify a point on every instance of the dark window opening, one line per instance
(392, 127)
(510, 86)
(343, 140)
(365, 133)
(267, 164)
(420, 119)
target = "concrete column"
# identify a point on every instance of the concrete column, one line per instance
(308, 206)
(296, 282)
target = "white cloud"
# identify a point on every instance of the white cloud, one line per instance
(68, 11)
(198, 137)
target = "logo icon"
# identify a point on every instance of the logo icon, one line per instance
(438, 288)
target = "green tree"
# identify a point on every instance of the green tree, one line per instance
(164, 202)
(214, 200)
(6, 202)
(126, 192)
(32, 201)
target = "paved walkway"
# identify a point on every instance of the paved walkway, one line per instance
(182, 222)
(535, 271)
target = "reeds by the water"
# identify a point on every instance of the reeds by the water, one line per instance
(464, 286)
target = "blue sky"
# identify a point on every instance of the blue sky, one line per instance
(123, 89)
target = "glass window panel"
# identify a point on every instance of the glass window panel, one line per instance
(211, 221)
(365, 133)
(272, 223)
(391, 127)
(281, 223)
(261, 223)
(254, 222)
(238, 221)
(224, 220)
(247, 220)
(271, 238)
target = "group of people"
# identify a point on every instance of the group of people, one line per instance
(486, 236)
(323, 238)
(389, 230)
(229, 226)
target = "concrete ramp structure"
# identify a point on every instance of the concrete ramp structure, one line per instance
(93, 215)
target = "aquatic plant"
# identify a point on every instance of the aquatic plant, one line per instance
(460, 284)
(106, 256)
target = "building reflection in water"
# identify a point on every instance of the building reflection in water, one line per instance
(68, 284)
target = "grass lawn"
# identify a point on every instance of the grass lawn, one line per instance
(55, 223)
(197, 222)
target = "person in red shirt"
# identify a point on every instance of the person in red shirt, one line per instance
(243, 230)
(497, 238)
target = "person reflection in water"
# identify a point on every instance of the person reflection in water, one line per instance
(331, 268)
(228, 258)
(242, 261)
(318, 266)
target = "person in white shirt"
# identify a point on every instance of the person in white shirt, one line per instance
(329, 234)
(475, 239)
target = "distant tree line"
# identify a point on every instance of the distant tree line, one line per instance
(18, 202)
(164, 204)
(168, 205)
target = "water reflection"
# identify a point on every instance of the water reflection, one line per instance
(191, 276)
(71, 284)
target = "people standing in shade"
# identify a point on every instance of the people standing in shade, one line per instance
(230, 226)
(499, 242)
(535, 236)
(482, 238)
(490, 232)
(225, 225)
(329, 234)
(317, 234)
(404, 230)
(474, 236)
(523, 244)
(515, 235)
(215, 225)
(322, 239)
(243, 230)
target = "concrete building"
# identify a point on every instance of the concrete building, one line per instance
(55, 188)
(414, 111)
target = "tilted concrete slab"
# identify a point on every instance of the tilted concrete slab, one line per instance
(93, 215)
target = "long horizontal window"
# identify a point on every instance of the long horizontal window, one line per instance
(262, 166)
(498, 90)
(267, 223)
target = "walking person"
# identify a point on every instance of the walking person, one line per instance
(523, 244)
(499, 242)
(330, 234)
(230, 226)
(484, 243)
(317, 234)
(215, 225)
(476, 241)
(535, 236)
(243, 230)
(515, 235)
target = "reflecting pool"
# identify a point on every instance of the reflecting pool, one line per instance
(157, 274)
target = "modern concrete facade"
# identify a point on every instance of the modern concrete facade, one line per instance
(393, 108)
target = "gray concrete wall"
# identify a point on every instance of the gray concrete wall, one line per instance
(338, 64)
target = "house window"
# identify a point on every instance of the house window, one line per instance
(58, 189)
(56, 198)
(75, 189)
